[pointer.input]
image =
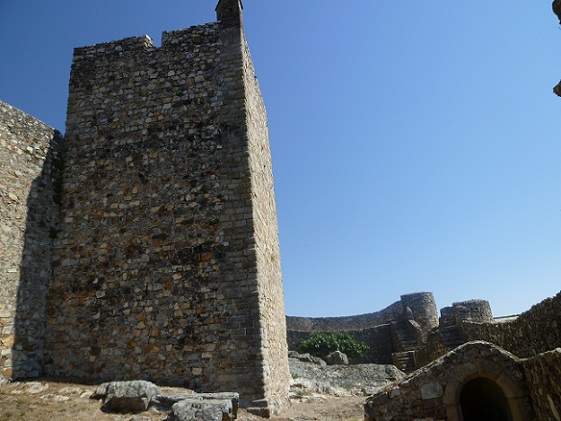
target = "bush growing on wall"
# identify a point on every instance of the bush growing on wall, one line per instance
(322, 344)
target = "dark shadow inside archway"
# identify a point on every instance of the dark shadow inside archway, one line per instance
(483, 400)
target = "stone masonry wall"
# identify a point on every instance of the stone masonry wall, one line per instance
(361, 321)
(271, 295)
(432, 393)
(377, 329)
(533, 332)
(166, 266)
(378, 339)
(422, 304)
(28, 174)
(543, 373)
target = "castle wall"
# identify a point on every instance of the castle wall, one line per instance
(533, 332)
(28, 150)
(166, 266)
(422, 305)
(377, 330)
(542, 375)
(361, 321)
(271, 295)
(433, 392)
(378, 339)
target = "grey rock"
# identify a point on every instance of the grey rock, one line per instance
(307, 358)
(431, 391)
(100, 392)
(131, 396)
(337, 358)
(202, 410)
(363, 379)
(167, 401)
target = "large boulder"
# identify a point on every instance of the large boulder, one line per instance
(128, 396)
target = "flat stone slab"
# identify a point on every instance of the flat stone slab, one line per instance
(202, 410)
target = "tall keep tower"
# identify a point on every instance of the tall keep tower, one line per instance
(166, 265)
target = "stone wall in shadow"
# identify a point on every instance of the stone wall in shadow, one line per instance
(30, 169)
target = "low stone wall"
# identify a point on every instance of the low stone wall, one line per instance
(543, 373)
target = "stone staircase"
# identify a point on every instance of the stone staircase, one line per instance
(404, 337)
(405, 361)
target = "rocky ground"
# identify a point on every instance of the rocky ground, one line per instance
(318, 392)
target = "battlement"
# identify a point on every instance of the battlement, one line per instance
(185, 39)
(119, 47)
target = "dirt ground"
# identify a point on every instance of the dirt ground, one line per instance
(55, 401)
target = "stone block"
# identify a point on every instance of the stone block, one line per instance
(129, 396)
(202, 410)
(431, 391)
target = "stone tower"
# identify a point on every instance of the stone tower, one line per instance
(166, 263)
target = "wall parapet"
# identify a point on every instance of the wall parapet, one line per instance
(421, 304)
(533, 332)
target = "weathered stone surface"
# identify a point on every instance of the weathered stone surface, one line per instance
(337, 358)
(166, 258)
(201, 410)
(158, 249)
(377, 330)
(129, 396)
(341, 379)
(433, 391)
(29, 151)
(307, 358)
(167, 401)
(543, 373)
(101, 391)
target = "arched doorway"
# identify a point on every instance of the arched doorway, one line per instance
(483, 400)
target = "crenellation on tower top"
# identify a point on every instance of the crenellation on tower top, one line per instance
(114, 47)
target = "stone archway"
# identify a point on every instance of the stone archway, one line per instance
(472, 380)
(483, 400)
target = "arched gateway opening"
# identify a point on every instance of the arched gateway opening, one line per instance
(483, 400)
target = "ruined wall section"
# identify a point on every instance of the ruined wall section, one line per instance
(433, 392)
(533, 332)
(28, 195)
(542, 374)
(155, 267)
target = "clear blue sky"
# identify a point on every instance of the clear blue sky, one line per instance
(416, 144)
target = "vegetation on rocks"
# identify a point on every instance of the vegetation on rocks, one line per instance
(322, 344)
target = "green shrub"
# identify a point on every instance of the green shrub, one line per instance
(322, 344)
